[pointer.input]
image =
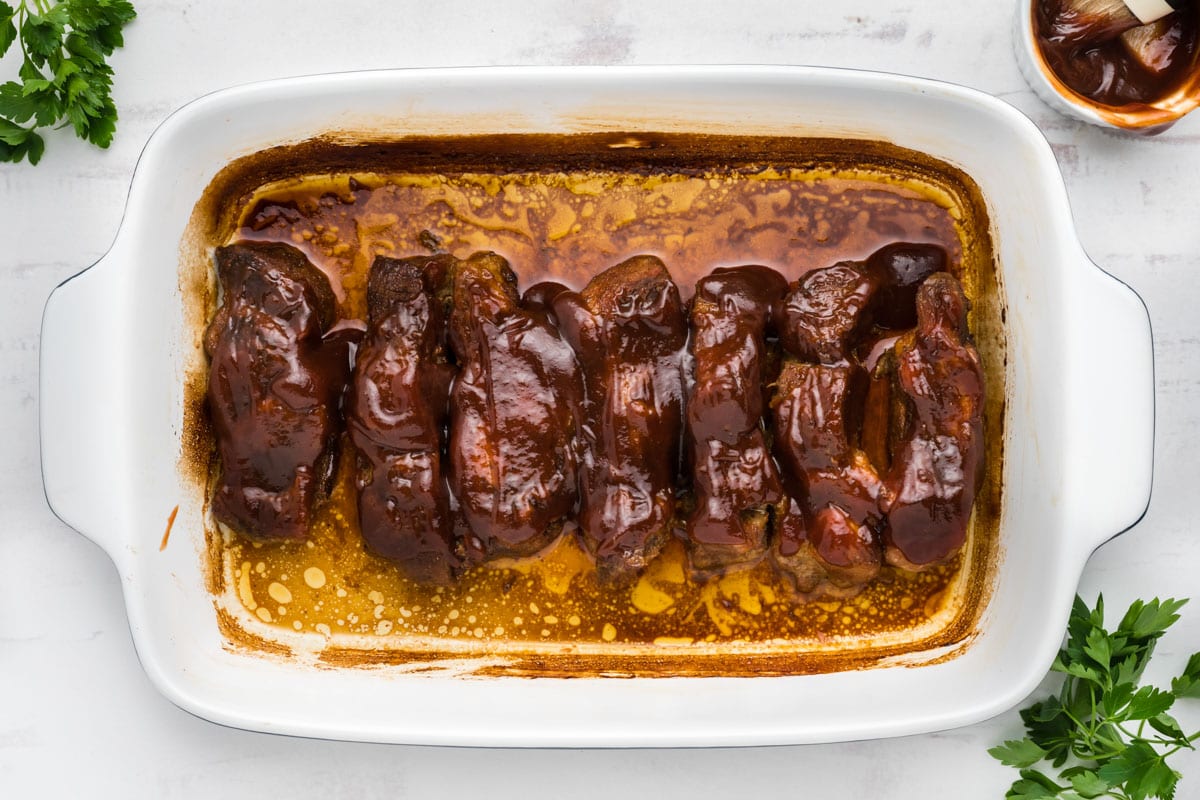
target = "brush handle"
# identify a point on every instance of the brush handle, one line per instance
(1148, 11)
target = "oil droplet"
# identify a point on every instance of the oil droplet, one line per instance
(650, 600)
(279, 593)
(263, 614)
(609, 633)
(314, 577)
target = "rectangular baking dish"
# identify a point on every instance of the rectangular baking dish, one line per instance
(1078, 415)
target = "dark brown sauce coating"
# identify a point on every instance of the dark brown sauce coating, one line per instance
(734, 477)
(514, 425)
(831, 530)
(825, 313)
(939, 464)
(899, 269)
(834, 484)
(628, 330)
(1136, 68)
(831, 311)
(396, 412)
(274, 390)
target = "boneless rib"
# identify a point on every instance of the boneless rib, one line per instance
(514, 435)
(274, 389)
(835, 487)
(938, 460)
(629, 331)
(829, 535)
(395, 413)
(737, 486)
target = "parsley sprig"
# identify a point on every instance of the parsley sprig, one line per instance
(64, 75)
(1114, 735)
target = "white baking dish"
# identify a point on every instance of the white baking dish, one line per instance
(1079, 413)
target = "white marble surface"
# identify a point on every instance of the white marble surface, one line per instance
(78, 716)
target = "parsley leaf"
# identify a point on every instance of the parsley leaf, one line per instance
(1149, 702)
(1018, 753)
(64, 75)
(1188, 684)
(1088, 784)
(1098, 720)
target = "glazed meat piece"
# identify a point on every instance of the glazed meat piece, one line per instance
(938, 463)
(274, 389)
(395, 413)
(899, 269)
(629, 330)
(514, 414)
(837, 488)
(825, 311)
(831, 308)
(736, 482)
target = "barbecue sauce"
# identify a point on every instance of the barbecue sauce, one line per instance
(1107, 72)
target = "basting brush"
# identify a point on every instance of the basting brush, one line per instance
(1154, 46)
(1090, 22)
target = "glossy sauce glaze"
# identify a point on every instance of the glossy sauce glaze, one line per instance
(566, 228)
(937, 457)
(736, 485)
(274, 390)
(628, 330)
(396, 410)
(513, 434)
(1134, 69)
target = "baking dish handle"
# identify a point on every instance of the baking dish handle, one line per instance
(81, 386)
(1110, 422)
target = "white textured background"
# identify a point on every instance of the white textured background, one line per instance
(78, 717)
